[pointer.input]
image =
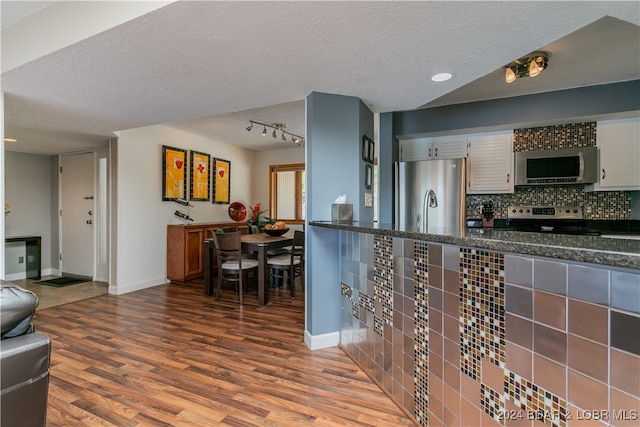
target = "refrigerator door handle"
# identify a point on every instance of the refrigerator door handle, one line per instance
(429, 201)
(425, 212)
(433, 201)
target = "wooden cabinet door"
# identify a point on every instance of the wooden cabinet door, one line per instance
(186, 248)
(194, 252)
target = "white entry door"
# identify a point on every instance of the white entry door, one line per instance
(77, 214)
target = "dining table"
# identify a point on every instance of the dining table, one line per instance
(259, 243)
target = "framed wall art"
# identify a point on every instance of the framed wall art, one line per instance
(368, 176)
(221, 181)
(174, 176)
(368, 149)
(200, 164)
(365, 148)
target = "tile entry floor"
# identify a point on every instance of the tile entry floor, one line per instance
(52, 296)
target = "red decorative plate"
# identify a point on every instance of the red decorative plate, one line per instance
(237, 211)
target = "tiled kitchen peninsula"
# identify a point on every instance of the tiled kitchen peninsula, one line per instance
(490, 329)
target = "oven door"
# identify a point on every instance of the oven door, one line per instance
(575, 227)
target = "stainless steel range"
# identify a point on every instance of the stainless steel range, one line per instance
(549, 219)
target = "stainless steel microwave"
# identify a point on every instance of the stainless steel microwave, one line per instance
(557, 167)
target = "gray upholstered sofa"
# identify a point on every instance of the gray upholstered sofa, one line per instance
(24, 360)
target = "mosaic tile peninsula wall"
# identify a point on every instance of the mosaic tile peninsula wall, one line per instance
(599, 205)
(462, 336)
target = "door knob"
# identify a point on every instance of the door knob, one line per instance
(90, 212)
(89, 222)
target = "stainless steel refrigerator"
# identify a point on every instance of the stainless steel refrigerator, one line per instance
(430, 195)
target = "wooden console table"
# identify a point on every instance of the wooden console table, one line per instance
(186, 248)
(33, 249)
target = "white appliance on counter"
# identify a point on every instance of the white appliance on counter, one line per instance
(430, 195)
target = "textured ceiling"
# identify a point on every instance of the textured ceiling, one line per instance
(15, 11)
(208, 67)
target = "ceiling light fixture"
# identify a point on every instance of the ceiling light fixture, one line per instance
(10, 140)
(441, 77)
(296, 139)
(527, 66)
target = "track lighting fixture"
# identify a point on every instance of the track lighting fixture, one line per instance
(527, 66)
(277, 127)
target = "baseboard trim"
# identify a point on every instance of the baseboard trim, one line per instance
(23, 274)
(15, 276)
(125, 289)
(316, 342)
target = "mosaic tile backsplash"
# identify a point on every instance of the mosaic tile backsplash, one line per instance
(598, 205)
(460, 336)
(574, 135)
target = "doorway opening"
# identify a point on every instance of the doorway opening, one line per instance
(83, 215)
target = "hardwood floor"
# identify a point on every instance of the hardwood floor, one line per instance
(170, 356)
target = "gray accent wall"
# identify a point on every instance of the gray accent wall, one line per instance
(388, 154)
(549, 108)
(366, 128)
(335, 125)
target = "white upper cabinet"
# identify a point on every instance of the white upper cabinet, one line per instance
(618, 143)
(490, 163)
(413, 150)
(449, 147)
(446, 147)
(489, 157)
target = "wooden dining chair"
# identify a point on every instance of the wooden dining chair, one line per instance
(232, 266)
(219, 230)
(289, 265)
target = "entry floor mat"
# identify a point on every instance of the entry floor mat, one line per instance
(64, 281)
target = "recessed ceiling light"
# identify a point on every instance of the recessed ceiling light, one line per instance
(441, 77)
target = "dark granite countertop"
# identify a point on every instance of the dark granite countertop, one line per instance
(590, 249)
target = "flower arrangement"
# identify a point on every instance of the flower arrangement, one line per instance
(256, 215)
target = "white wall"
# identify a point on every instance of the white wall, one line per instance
(143, 216)
(28, 192)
